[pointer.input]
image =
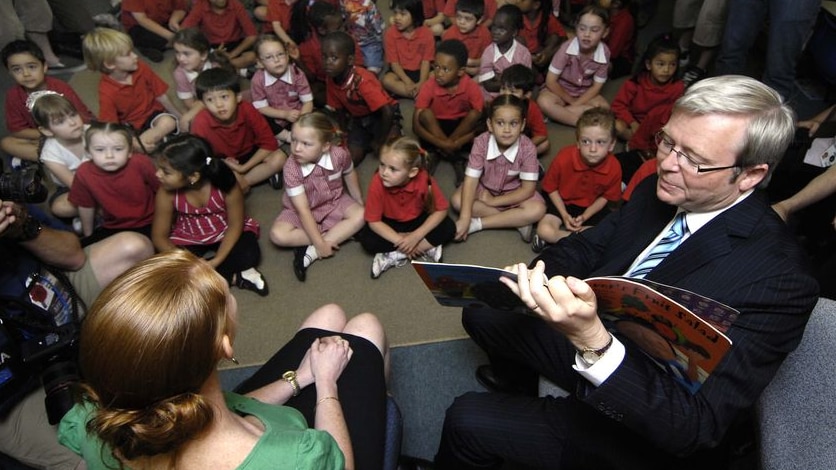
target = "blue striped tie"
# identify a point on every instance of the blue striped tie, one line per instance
(667, 244)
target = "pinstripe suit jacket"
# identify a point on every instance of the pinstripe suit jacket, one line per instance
(745, 258)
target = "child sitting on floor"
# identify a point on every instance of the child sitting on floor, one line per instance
(409, 47)
(500, 184)
(581, 180)
(318, 213)
(406, 212)
(238, 133)
(129, 91)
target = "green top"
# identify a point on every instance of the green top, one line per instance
(287, 442)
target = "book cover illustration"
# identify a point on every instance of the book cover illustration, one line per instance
(673, 334)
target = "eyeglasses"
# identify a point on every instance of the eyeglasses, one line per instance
(666, 145)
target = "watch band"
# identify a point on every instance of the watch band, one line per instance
(590, 356)
(290, 377)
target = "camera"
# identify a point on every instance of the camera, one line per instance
(23, 185)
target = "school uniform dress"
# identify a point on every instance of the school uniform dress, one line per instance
(576, 72)
(494, 62)
(322, 184)
(184, 81)
(502, 172)
(288, 92)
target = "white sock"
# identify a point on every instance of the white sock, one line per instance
(310, 255)
(253, 276)
(475, 225)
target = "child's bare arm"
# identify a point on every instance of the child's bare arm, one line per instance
(60, 171)
(590, 93)
(88, 219)
(143, 20)
(234, 200)
(309, 226)
(553, 86)
(468, 195)
(163, 217)
(467, 126)
(257, 158)
(594, 208)
(352, 184)
(170, 106)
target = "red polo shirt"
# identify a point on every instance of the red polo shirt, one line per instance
(580, 184)
(133, 103)
(360, 95)
(452, 103)
(490, 9)
(475, 41)
(409, 51)
(237, 139)
(403, 203)
(531, 29)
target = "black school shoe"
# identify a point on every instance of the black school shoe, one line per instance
(246, 284)
(299, 268)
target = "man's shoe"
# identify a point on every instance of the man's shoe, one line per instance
(488, 378)
(299, 268)
(414, 463)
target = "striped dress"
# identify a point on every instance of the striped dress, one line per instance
(203, 225)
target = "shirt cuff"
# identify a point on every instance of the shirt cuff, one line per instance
(260, 104)
(599, 372)
(485, 76)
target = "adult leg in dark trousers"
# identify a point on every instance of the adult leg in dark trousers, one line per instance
(482, 429)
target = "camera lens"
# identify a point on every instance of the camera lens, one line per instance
(58, 379)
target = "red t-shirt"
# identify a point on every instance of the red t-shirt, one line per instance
(403, 203)
(247, 132)
(580, 184)
(409, 51)
(644, 137)
(490, 9)
(233, 24)
(157, 10)
(529, 35)
(475, 41)
(18, 115)
(124, 197)
(450, 104)
(360, 95)
(132, 103)
(433, 8)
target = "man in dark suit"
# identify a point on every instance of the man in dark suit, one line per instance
(720, 145)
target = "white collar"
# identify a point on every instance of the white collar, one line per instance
(598, 56)
(510, 153)
(286, 77)
(696, 220)
(509, 54)
(191, 76)
(324, 162)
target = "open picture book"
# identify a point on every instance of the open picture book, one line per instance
(682, 332)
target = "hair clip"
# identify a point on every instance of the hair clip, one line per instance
(36, 95)
(208, 161)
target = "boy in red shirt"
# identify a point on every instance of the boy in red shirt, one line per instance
(581, 180)
(368, 112)
(26, 64)
(237, 132)
(151, 24)
(129, 91)
(489, 9)
(448, 108)
(468, 28)
(518, 80)
(227, 26)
